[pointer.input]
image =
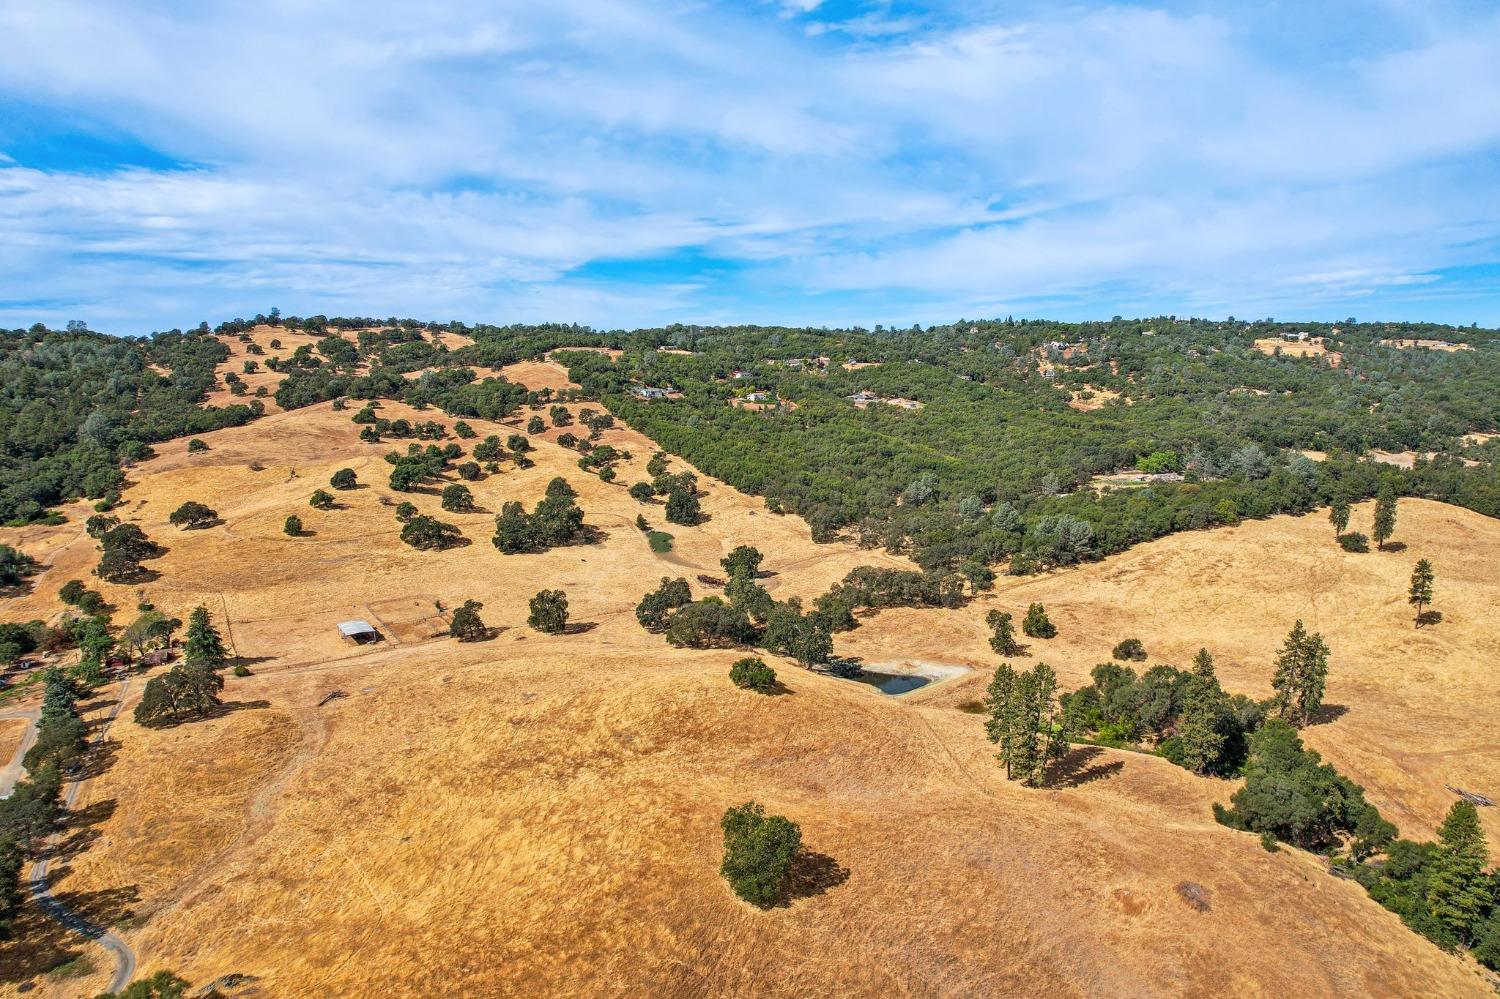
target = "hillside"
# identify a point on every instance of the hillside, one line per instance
(539, 814)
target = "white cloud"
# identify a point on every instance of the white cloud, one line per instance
(470, 155)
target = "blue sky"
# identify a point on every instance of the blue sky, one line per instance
(635, 162)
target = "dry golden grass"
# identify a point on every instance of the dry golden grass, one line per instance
(1310, 348)
(1442, 345)
(538, 815)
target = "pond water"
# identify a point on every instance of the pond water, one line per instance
(893, 683)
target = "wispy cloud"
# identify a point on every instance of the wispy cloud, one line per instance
(802, 162)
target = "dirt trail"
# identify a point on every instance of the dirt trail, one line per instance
(123, 955)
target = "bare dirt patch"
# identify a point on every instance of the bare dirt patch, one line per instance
(1310, 348)
(1442, 345)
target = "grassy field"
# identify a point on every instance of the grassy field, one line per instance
(539, 814)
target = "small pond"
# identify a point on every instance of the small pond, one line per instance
(893, 683)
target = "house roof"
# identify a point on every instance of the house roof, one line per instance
(351, 628)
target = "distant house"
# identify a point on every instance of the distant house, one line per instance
(862, 398)
(1049, 372)
(795, 364)
(757, 397)
(358, 631)
(1296, 336)
(650, 392)
(740, 376)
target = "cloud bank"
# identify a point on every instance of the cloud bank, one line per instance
(622, 162)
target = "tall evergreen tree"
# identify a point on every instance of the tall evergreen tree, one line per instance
(1458, 892)
(1301, 674)
(1338, 515)
(1200, 727)
(1003, 633)
(1385, 514)
(1025, 721)
(202, 643)
(1420, 593)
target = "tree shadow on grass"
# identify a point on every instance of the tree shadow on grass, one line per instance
(80, 830)
(1427, 618)
(219, 712)
(1328, 713)
(1394, 546)
(580, 627)
(1076, 768)
(38, 944)
(811, 874)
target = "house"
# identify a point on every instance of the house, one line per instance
(649, 392)
(740, 376)
(358, 631)
(862, 398)
(757, 397)
(1296, 336)
(1049, 372)
(795, 364)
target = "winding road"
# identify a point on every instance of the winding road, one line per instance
(42, 894)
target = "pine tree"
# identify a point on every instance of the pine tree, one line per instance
(202, 643)
(1200, 727)
(1203, 663)
(1458, 893)
(1000, 700)
(1385, 514)
(1420, 593)
(1301, 674)
(1338, 515)
(1025, 721)
(1003, 639)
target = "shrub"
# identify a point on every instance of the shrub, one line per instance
(1036, 623)
(464, 431)
(549, 612)
(753, 674)
(660, 541)
(469, 471)
(1355, 542)
(293, 526)
(344, 478)
(405, 511)
(241, 670)
(535, 425)
(1130, 650)
(758, 852)
(195, 445)
(321, 500)
(642, 491)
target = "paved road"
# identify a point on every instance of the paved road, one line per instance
(13, 770)
(123, 955)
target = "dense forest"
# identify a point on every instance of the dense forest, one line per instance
(976, 442)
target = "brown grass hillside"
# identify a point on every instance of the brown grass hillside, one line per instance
(538, 815)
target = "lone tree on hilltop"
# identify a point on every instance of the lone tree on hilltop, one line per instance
(1036, 624)
(758, 852)
(1385, 514)
(344, 478)
(1301, 675)
(1338, 516)
(743, 561)
(466, 625)
(549, 612)
(1420, 594)
(1003, 633)
(192, 514)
